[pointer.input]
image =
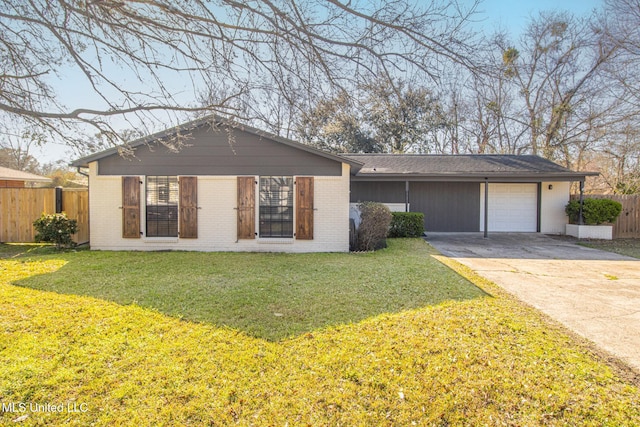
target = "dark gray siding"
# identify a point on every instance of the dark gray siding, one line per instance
(371, 191)
(447, 206)
(212, 152)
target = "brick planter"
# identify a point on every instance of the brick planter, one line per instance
(602, 232)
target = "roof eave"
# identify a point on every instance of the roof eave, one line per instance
(9, 178)
(8, 174)
(477, 177)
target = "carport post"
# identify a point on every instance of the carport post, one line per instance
(581, 203)
(486, 207)
(406, 196)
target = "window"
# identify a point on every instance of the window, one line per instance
(276, 206)
(162, 206)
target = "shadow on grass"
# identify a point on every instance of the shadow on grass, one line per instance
(16, 250)
(272, 296)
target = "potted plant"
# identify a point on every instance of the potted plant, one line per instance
(596, 221)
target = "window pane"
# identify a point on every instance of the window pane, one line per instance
(276, 206)
(162, 206)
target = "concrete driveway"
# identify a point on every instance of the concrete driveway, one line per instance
(594, 293)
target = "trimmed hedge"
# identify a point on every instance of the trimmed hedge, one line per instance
(594, 211)
(406, 224)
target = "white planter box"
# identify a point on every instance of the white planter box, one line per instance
(603, 232)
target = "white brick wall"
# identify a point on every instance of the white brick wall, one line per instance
(552, 203)
(217, 218)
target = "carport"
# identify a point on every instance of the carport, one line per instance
(469, 193)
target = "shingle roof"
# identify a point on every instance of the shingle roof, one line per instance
(471, 166)
(15, 175)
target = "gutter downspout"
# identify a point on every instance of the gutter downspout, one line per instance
(79, 170)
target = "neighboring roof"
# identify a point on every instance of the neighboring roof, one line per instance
(474, 167)
(7, 174)
(211, 121)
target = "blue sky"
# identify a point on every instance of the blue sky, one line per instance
(511, 15)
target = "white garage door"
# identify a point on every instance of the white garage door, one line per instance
(512, 207)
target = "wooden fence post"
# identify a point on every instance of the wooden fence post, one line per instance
(58, 199)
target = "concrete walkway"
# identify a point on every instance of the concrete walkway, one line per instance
(594, 293)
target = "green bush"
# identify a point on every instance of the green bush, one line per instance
(374, 226)
(56, 228)
(573, 211)
(594, 211)
(406, 224)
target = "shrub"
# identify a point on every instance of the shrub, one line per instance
(594, 211)
(374, 226)
(406, 224)
(55, 228)
(573, 211)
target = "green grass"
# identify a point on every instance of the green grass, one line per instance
(267, 295)
(483, 360)
(628, 247)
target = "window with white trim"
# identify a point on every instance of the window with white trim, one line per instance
(162, 206)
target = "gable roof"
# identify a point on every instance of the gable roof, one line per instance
(213, 121)
(7, 174)
(467, 167)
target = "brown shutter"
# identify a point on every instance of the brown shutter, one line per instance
(131, 207)
(246, 207)
(304, 208)
(188, 207)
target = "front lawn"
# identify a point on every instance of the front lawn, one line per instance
(266, 295)
(458, 357)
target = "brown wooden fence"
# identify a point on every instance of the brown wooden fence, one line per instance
(19, 207)
(75, 203)
(628, 223)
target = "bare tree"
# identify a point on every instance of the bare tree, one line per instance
(621, 23)
(491, 106)
(131, 54)
(612, 144)
(617, 160)
(16, 150)
(557, 72)
(550, 95)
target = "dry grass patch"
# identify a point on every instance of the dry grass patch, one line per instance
(628, 247)
(482, 361)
